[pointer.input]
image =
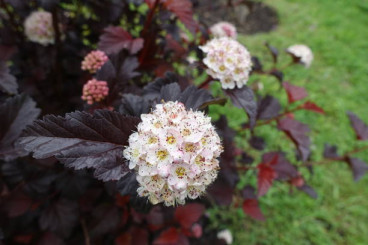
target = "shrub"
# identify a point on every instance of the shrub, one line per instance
(136, 78)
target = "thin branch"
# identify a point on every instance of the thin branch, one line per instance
(85, 232)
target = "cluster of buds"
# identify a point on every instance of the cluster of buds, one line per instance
(301, 54)
(38, 28)
(174, 154)
(227, 60)
(223, 29)
(94, 61)
(95, 91)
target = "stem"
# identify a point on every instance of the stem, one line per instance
(206, 82)
(145, 30)
(336, 159)
(85, 232)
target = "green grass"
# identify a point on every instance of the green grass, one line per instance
(337, 81)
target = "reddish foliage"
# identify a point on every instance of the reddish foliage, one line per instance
(294, 93)
(312, 107)
(251, 208)
(189, 214)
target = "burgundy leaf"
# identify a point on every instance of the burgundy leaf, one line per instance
(17, 204)
(283, 168)
(167, 237)
(257, 65)
(188, 214)
(358, 167)
(269, 107)
(82, 140)
(312, 107)
(106, 219)
(244, 98)
(330, 151)
(115, 38)
(360, 128)
(135, 236)
(172, 44)
(6, 52)
(297, 133)
(266, 175)
(8, 83)
(183, 10)
(221, 191)
(248, 192)
(251, 208)
(294, 93)
(16, 114)
(60, 217)
(50, 238)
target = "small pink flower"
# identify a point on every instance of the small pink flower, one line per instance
(95, 91)
(223, 29)
(94, 61)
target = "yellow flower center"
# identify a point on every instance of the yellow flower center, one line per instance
(171, 140)
(180, 172)
(152, 140)
(190, 147)
(162, 154)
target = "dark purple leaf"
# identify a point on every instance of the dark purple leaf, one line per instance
(16, 114)
(309, 190)
(257, 143)
(251, 208)
(257, 65)
(330, 151)
(221, 191)
(8, 83)
(16, 204)
(134, 105)
(274, 52)
(244, 99)
(296, 131)
(279, 75)
(248, 192)
(115, 38)
(6, 52)
(269, 107)
(60, 217)
(81, 140)
(360, 128)
(294, 93)
(106, 219)
(246, 159)
(358, 167)
(170, 92)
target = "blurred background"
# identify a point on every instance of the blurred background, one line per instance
(336, 31)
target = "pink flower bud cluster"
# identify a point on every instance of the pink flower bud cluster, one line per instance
(39, 29)
(174, 153)
(301, 52)
(223, 29)
(228, 61)
(94, 61)
(95, 91)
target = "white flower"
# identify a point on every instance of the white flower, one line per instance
(226, 236)
(301, 52)
(228, 61)
(174, 154)
(38, 28)
(223, 29)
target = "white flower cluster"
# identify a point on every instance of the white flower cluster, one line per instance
(228, 61)
(223, 29)
(38, 28)
(301, 52)
(174, 154)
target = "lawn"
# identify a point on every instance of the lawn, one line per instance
(337, 81)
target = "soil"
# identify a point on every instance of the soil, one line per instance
(249, 17)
